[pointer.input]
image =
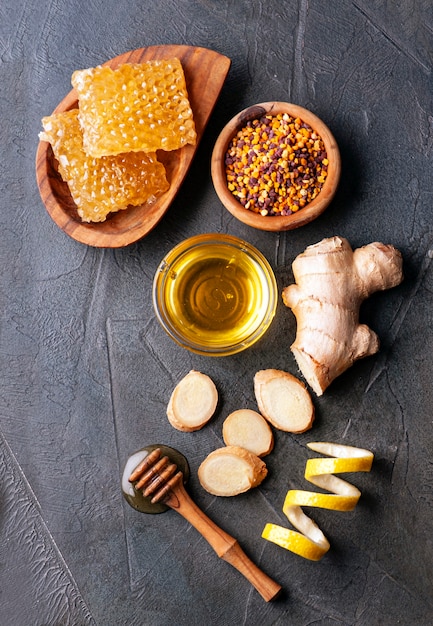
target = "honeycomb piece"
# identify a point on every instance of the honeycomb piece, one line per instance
(100, 186)
(136, 107)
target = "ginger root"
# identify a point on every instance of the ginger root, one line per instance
(192, 402)
(230, 471)
(332, 280)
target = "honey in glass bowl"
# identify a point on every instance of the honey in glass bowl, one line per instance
(215, 294)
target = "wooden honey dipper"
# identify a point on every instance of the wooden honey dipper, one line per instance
(162, 481)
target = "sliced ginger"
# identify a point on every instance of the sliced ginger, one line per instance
(193, 402)
(248, 429)
(283, 400)
(230, 471)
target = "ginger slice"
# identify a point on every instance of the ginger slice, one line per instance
(193, 402)
(248, 429)
(283, 400)
(230, 471)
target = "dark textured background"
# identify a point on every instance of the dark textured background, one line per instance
(86, 373)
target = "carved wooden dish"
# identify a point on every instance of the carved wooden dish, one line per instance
(205, 72)
(275, 222)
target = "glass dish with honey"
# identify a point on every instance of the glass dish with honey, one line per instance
(215, 294)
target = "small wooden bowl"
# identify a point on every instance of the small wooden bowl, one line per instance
(275, 222)
(205, 72)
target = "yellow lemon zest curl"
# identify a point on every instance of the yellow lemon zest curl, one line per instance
(310, 542)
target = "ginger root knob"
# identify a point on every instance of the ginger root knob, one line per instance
(332, 280)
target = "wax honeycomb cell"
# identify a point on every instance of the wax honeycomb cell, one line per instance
(101, 186)
(136, 107)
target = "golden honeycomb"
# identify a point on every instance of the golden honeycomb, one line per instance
(136, 107)
(101, 186)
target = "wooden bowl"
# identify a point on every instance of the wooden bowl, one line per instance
(205, 73)
(275, 222)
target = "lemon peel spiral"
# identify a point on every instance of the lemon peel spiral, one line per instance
(310, 542)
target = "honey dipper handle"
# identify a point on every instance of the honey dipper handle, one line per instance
(224, 545)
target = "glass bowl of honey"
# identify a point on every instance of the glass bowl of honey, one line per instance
(215, 294)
